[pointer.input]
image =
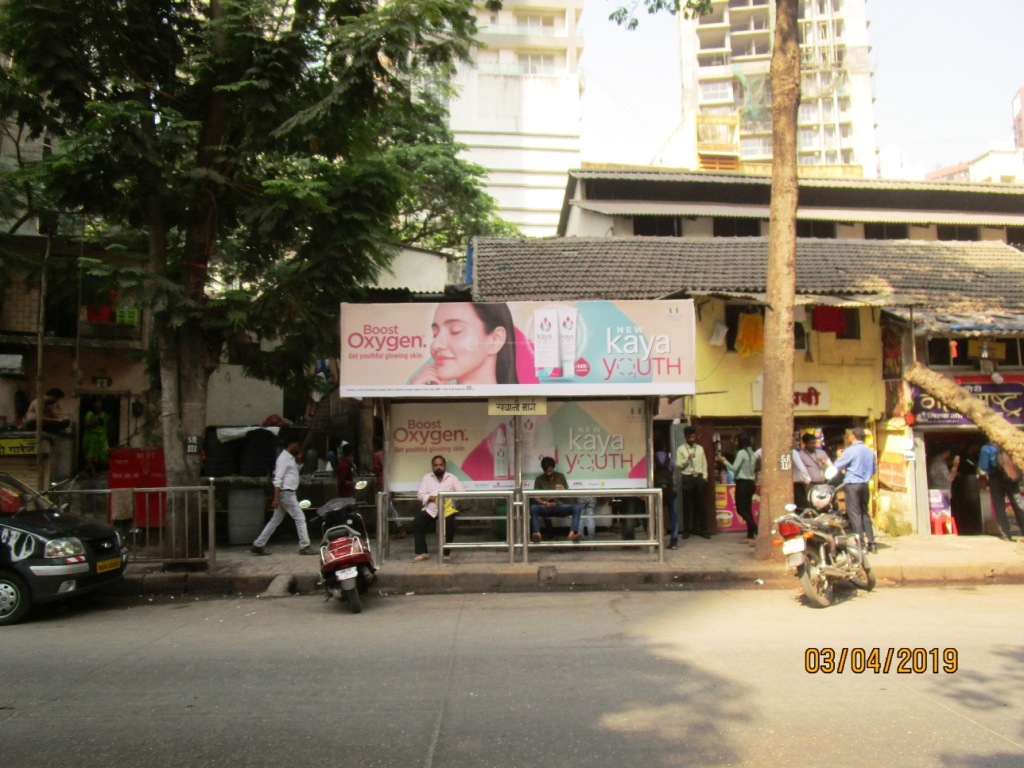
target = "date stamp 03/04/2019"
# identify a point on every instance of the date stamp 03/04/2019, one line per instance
(881, 661)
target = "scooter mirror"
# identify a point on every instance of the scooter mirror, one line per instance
(830, 472)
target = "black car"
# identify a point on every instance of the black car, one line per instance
(47, 554)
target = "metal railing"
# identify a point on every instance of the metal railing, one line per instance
(650, 519)
(158, 525)
(517, 520)
(510, 518)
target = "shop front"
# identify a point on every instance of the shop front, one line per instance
(837, 385)
(947, 437)
(495, 388)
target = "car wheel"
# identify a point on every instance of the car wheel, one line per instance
(15, 599)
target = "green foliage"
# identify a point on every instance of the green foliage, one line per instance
(266, 150)
(627, 14)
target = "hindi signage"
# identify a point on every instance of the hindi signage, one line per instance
(1005, 398)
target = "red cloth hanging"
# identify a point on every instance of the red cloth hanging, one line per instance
(828, 319)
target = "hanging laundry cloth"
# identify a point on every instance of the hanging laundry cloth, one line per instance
(750, 334)
(828, 319)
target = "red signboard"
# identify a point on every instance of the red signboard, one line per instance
(141, 468)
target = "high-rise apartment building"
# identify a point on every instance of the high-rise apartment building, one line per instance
(727, 89)
(519, 107)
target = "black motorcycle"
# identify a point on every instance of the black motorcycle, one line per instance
(817, 543)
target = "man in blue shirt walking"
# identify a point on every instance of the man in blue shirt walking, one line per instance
(1001, 488)
(858, 464)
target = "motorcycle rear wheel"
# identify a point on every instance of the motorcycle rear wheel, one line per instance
(817, 586)
(352, 596)
(865, 579)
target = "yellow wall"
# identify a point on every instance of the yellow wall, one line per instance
(851, 368)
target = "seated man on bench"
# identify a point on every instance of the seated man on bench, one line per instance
(552, 481)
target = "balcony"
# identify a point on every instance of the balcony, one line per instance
(521, 69)
(94, 325)
(718, 134)
(713, 58)
(751, 49)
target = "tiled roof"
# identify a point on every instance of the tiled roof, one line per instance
(954, 276)
(844, 182)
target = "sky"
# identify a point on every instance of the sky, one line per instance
(944, 79)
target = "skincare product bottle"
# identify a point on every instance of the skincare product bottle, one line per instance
(545, 340)
(501, 454)
(567, 318)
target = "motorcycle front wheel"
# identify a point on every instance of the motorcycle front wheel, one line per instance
(352, 595)
(816, 585)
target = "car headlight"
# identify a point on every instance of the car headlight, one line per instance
(69, 547)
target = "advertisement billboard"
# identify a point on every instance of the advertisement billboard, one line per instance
(466, 349)
(595, 444)
(1005, 398)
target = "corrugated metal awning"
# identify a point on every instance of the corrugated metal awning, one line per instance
(946, 325)
(815, 299)
(851, 215)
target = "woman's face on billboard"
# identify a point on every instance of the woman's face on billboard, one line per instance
(462, 349)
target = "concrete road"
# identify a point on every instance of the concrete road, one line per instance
(520, 680)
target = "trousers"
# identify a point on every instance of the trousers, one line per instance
(289, 506)
(692, 498)
(425, 523)
(857, 498)
(537, 511)
(1000, 490)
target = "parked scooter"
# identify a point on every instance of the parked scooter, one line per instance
(816, 543)
(347, 567)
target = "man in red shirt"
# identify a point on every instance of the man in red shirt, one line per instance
(346, 476)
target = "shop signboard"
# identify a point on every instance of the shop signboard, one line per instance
(529, 349)
(807, 395)
(17, 446)
(1005, 398)
(141, 468)
(596, 444)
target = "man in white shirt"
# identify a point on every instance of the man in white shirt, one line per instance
(813, 463)
(438, 479)
(286, 483)
(693, 469)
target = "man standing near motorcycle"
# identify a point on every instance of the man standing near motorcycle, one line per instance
(438, 479)
(346, 476)
(814, 460)
(858, 465)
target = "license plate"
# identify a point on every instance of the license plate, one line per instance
(108, 565)
(348, 573)
(795, 560)
(791, 546)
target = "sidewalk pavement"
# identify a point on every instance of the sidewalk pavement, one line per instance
(723, 562)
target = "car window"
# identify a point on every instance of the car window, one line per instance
(17, 498)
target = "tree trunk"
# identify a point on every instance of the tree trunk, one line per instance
(777, 400)
(956, 398)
